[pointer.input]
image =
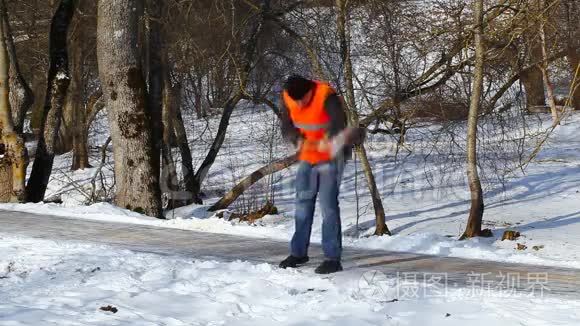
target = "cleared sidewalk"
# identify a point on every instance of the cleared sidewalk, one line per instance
(372, 265)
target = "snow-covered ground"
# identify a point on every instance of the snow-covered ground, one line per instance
(68, 283)
(424, 192)
(426, 199)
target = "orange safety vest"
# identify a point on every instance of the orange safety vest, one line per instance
(312, 121)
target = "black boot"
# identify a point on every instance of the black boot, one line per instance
(293, 262)
(328, 267)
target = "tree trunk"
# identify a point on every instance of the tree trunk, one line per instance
(534, 87)
(80, 159)
(94, 105)
(58, 82)
(380, 222)
(216, 145)
(86, 116)
(198, 96)
(156, 67)
(343, 34)
(533, 78)
(12, 150)
(78, 115)
(74, 98)
(80, 149)
(169, 181)
(183, 144)
(474, 223)
(21, 95)
(573, 49)
(544, 65)
(161, 102)
(120, 71)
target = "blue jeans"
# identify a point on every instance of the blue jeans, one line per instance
(323, 180)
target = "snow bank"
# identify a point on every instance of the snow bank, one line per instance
(68, 283)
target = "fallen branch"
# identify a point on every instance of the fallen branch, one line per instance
(256, 176)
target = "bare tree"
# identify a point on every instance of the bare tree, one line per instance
(21, 95)
(474, 223)
(174, 98)
(81, 95)
(161, 100)
(120, 71)
(342, 21)
(58, 82)
(12, 150)
(156, 65)
(544, 65)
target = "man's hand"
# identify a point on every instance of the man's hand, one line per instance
(299, 144)
(324, 145)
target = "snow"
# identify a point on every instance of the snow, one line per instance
(62, 75)
(66, 283)
(196, 218)
(427, 202)
(424, 191)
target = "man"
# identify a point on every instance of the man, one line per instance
(313, 118)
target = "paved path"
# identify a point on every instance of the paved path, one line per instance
(453, 272)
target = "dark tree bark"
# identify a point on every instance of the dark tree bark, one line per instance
(196, 81)
(534, 87)
(156, 67)
(218, 141)
(73, 107)
(183, 144)
(120, 71)
(58, 82)
(169, 180)
(76, 118)
(474, 223)
(80, 159)
(94, 105)
(162, 102)
(74, 98)
(81, 132)
(533, 78)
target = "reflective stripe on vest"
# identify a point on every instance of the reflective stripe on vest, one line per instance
(312, 126)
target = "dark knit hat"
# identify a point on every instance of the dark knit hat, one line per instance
(297, 86)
